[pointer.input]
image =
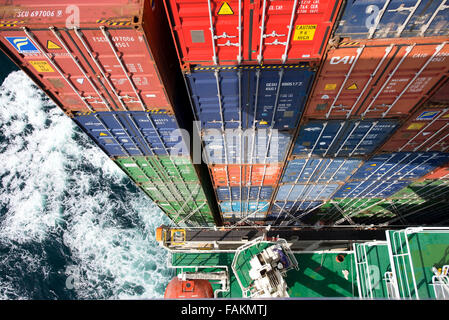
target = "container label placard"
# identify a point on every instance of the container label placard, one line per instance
(304, 32)
(427, 115)
(22, 44)
(415, 126)
(42, 66)
(330, 86)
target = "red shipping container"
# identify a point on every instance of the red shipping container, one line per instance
(229, 32)
(114, 58)
(377, 78)
(426, 130)
(245, 175)
(441, 96)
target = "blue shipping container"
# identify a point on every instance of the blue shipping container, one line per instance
(338, 138)
(371, 19)
(134, 133)
(400, 165)
(303, 192)
(321, 170)
(244, 206)
(371, 189)
(270, 146)
(247, 96)
(261, 193)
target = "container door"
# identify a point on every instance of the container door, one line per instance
(209, 32)
(287, 31)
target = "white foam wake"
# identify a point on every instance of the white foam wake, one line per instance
(55, 182)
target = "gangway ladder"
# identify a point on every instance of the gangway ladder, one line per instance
(440, 283)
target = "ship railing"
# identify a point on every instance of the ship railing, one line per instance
(366, 280)
(440, 284)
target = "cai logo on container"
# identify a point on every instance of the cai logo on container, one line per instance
(22, 44)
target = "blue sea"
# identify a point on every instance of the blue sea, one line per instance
(72, 224)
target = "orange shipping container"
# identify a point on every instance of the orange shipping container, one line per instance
(440, 173)
(377, 78)
(426, 130)
(114, 58)
(245, 175)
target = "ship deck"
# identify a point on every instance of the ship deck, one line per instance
(319, 274)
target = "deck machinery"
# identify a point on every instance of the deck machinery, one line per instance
(410, 263)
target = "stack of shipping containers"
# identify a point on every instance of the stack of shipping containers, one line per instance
(387, 73)
(313, 111)
(249, 67)
(109, 67)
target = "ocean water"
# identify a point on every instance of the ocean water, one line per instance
(72, 224)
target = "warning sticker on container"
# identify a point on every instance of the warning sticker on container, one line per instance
(42, 66)
(53, 45)
(330, 86)
(225, 9)
(415, 126)
(427, 115)
(352, 87)
(304, 32)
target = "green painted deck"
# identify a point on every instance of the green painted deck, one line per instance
(319, 274)
(427, 249)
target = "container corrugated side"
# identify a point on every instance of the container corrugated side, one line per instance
(426, 130)
(271, 96)
(399, 166)
(113, 59)
(244, 193)
(368, 19)
(134, 133)
(306, 192)
(246, 147)
(244, 175)
(182, 212)
(319, 170)
(164, 168)
(377, 78)
(340, 138)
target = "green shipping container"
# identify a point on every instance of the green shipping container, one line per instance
(158, 169)
(425, 190)
(178, 211)
(174, 191)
